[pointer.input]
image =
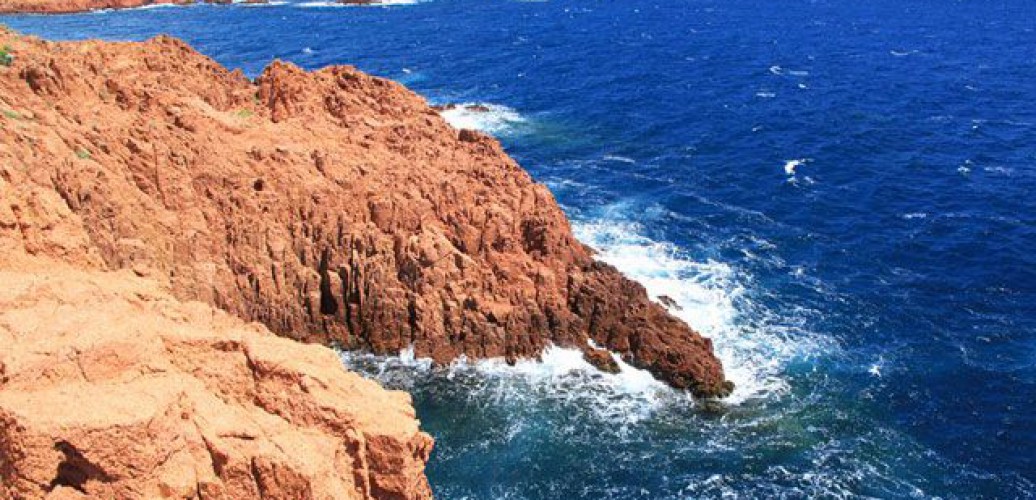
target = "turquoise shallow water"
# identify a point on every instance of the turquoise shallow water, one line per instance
(840, 195)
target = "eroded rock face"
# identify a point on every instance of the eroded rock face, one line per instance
(330, 206)
(70, 6)
(112, 388)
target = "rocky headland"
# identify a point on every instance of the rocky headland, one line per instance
(331, 206)
(161, 215)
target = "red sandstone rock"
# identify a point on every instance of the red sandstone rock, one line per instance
(602, 360)
(330, 206)
(111, 388)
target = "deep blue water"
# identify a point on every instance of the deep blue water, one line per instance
(840, 193)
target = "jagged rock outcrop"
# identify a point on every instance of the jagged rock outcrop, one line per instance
(70, 6)
(112, 388)
(330, 206)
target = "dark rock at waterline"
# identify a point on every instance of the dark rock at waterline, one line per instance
(601, 359)
(669, 303)
(477, 108)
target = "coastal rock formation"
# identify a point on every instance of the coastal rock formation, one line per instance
(70, 6)
(112, 388)
(331, 206)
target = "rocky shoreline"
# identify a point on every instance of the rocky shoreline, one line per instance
(143, 184)
(73, 6)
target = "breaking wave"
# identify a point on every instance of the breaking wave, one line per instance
(561, 375)
(753, 343)
(490, 118)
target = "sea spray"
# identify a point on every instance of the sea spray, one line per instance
(486, 117)
(711, 297)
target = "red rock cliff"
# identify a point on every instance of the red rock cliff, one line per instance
(110, 387)
(330, 206)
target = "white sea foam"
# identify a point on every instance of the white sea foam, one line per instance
(494, 119)
(711, 298)
(143, 7)
(561, 374)
(158, 6)
(244, 3)
(382, 3)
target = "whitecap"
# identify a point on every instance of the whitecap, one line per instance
(776, 70)
(765, 94)
(791, 166)
(915, 215)
(620, 159)
(999, 170)
(486, 117)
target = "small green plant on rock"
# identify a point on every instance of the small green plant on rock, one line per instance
(6, 57)
(82, 154)
(245, 113)
(11, 115)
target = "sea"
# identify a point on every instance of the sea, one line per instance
(841, 194)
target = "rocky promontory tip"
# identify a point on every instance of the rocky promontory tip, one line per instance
(331, 206)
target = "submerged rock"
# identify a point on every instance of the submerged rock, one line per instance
(331, 206)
